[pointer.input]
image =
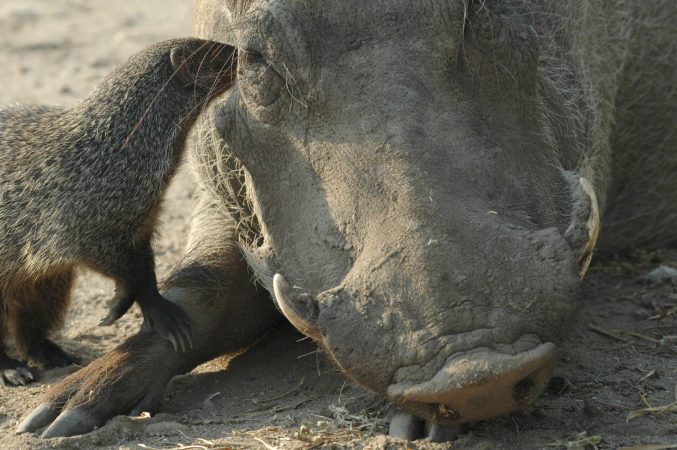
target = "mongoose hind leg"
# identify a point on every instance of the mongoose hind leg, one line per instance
(40, 311)
(12, 372)
(47, 355)
(134, 275)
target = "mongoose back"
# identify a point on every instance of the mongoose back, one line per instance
(83, 186)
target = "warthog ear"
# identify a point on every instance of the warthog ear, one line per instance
(177, 56)
(584, 226)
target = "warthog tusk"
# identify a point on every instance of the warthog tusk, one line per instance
(299, 308)
(592, 225)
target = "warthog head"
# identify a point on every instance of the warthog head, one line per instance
(401, 185)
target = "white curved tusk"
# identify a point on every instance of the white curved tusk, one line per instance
(296, 307)
(592, 225)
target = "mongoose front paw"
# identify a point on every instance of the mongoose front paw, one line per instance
(14, 373)
(170, 321)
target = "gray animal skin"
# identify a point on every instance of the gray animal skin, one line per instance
(83, 186)
(420, 186)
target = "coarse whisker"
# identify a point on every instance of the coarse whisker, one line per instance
(202, 105)
(229, 63)
(295, 86)
(197, 73)
(309, 353)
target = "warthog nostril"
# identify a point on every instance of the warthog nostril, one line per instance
(523, 389)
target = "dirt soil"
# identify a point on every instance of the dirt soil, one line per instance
(614, 386)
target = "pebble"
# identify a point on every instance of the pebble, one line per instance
(162, 428)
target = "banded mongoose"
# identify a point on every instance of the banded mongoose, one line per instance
(83, 186)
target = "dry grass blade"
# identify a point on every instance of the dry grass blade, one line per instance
(655, 410)
(199, 444)
(284, 394)
(184, 447)
(662, 343)
(606, 333)
(274, 409)
(579, 442)
(647, 376)
(342, 417)
(345, 427)
(650, 447)
(265, 444)
(663, 313)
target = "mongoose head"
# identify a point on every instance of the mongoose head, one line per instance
(173, 79)
(207, 68)
(159, 92)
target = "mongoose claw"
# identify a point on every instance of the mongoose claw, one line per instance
(18, 375)
(170, 321)
(117, 308)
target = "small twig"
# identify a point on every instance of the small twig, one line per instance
(260, 411)
(658, 327)
(641, 336)
(642, 397)
(606, 333)
(530, 304)
(268, 446)
(229, 421)
(656, 410)
(580, 440)
(615, 405)
(647, 376)
(178, 447)
(290, 391)
(204, 441)
(661, 343)
(213, 396)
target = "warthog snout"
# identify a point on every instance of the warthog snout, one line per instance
(479, 384)
(452, 346)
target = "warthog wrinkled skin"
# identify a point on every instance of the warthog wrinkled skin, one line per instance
(419, 185)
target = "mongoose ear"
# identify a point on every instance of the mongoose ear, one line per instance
(177, 57)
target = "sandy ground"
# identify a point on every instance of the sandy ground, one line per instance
(282, 394)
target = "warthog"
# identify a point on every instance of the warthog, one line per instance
(419, 185)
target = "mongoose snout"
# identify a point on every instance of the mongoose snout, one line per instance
(83, 187)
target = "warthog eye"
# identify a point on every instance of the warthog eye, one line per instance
(259, 82)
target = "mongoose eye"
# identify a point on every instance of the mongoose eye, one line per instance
(247, 57)
(259, 82)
